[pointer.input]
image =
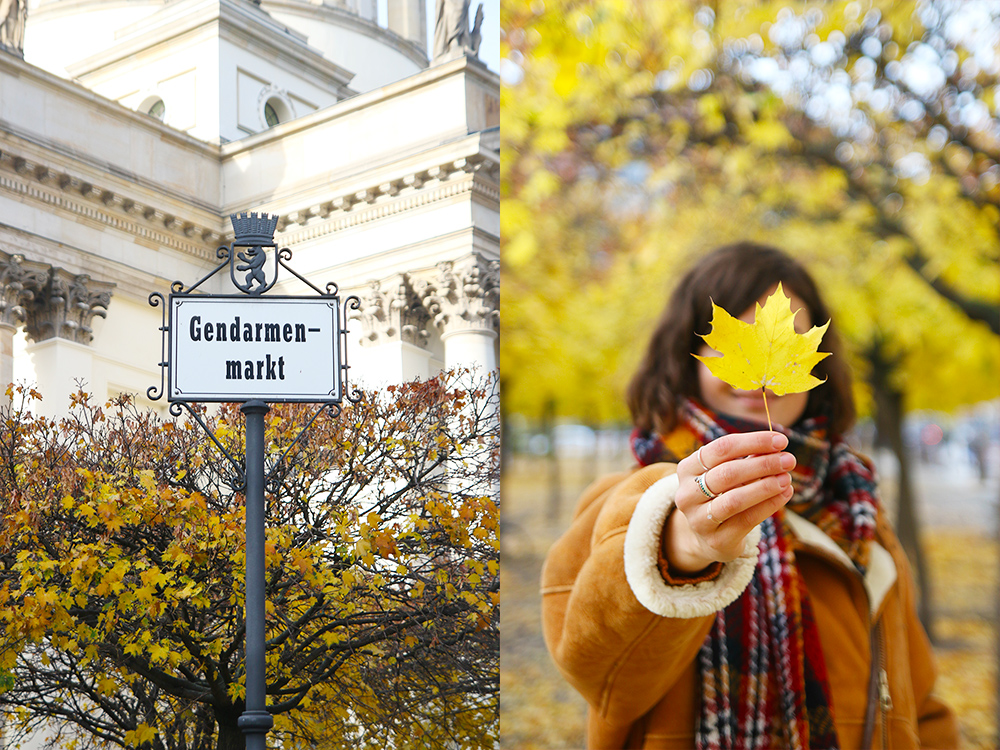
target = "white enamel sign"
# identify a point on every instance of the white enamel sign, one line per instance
(238, 348)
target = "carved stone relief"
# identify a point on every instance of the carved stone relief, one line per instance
(463, 295)
(20, 282)
(390, 311)
(50, 302)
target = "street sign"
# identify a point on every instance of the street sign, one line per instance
(254, 349)
(238, 348)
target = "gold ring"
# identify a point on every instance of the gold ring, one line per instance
(711, 517)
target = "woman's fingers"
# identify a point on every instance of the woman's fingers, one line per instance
(726, 542)
(734, 474)
(738, 504)
(738, 445)
(756, 514)
(743, 469)
(726, 489)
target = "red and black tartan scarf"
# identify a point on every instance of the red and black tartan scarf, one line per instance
(764, 679)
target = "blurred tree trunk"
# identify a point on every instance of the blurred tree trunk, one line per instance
(889, 422)
(505, 446)
(595, 466)
(552, 460)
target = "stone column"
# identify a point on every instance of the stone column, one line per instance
(463, 301)
(394, 331)
(20, 281)
(59, 325)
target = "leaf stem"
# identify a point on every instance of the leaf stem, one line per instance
(766, 410)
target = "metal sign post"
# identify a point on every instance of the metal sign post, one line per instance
(255, 721)
(254, 349)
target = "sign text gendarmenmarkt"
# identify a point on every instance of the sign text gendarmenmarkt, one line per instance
(226, 348)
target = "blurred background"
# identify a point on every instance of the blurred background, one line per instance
(862, 137)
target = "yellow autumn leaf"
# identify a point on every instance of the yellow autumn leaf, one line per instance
(767, 353)
(107, 686)
(141, 734)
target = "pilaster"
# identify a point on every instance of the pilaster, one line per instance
(394, 330)
(20, 281)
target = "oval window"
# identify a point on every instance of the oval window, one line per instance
(154, 107)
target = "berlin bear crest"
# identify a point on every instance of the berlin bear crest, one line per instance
(254, 232)
(253, 263)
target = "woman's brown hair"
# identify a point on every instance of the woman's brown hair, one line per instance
(734, 277)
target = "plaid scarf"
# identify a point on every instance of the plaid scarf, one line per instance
(764, 681)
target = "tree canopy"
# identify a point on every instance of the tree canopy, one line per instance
(860, 136)
(122, 558)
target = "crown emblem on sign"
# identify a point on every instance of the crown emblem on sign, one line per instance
(253, 229)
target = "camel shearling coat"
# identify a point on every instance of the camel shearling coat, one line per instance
(627, 640)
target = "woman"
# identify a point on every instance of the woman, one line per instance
(741, 588)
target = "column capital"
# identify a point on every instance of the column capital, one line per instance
(391, 312)
(66, 306)
(463, 295)
(20, 282)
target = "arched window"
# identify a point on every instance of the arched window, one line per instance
(154, 107)
(270, 116)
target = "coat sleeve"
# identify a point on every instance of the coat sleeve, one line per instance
(619, 633)
(936, 722)
(937, 725)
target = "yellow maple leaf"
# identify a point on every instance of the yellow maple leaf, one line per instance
(766, 354)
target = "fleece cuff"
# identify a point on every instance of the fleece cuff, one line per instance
(642, 568)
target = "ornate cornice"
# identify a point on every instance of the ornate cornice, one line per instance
(99, 203)
(477, 174)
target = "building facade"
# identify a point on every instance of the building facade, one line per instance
(130, 130)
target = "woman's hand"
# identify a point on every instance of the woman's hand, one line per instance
(748, 474)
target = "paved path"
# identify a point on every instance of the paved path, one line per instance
(950, 494)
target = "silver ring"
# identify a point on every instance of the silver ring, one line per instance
(700, 480)
(711, 517)
(698, 456)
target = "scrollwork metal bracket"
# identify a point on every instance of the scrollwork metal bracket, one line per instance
(248, 255)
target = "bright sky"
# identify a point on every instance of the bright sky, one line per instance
(489, 50)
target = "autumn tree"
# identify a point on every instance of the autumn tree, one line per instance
(860, 135)
(122, 558)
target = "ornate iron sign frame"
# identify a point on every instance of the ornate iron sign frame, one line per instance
(254, 233)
